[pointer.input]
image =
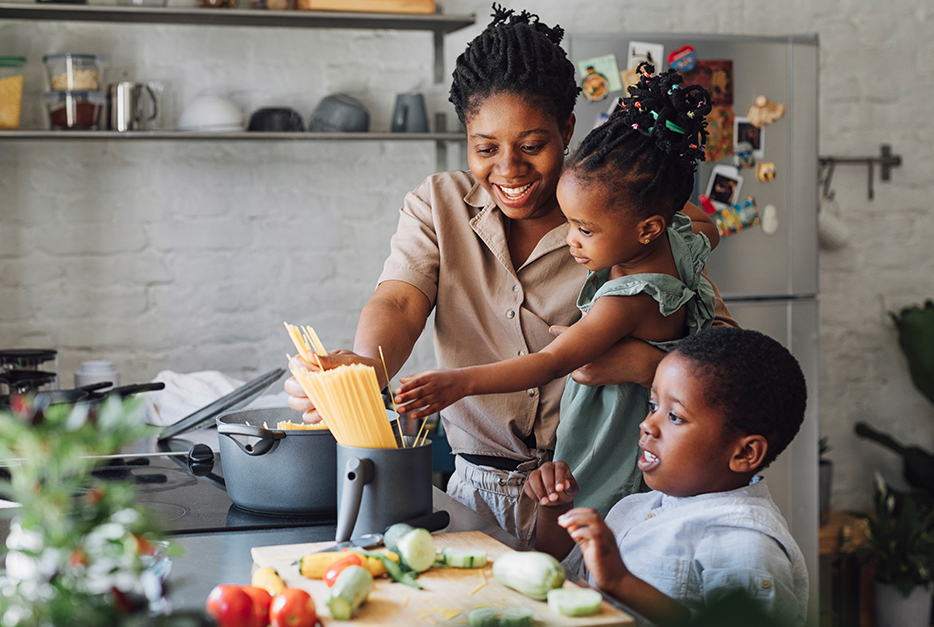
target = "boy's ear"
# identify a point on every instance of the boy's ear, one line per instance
(651, 227)
(749, 452)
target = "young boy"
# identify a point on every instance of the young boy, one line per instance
(724, 403)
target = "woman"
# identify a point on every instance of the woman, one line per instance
(486, 250)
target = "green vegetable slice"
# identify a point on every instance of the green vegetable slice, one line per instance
(574, 601)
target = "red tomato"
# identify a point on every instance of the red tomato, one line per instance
(330, 575)
(293, 607)
(261, 602)
(230, 606)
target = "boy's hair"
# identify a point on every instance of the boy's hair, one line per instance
(515, 54)
(753, 380)
(646, 153)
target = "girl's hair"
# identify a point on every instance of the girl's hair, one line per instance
(646, 153)
(515, 54)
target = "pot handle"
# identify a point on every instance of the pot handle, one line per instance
(357, 473)
(267, 438)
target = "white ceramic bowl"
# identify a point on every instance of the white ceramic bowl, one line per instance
(211, 114)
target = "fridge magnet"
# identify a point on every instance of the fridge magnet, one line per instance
(735, 218)
(716, 76)
(742, 156)
(724, 185)
(600, 77)
(744, 131)
(640, 51)
(719, 133)
(684, 59)
(765, 171)
(769, 220)
(764, 112)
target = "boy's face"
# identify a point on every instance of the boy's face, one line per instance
(684, 451)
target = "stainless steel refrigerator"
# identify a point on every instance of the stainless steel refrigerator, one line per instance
(768, 273)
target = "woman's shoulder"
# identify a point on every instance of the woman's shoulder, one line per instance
(450, 183)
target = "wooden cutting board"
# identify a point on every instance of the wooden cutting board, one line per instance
(448, 596)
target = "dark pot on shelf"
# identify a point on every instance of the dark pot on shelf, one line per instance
(276, 120)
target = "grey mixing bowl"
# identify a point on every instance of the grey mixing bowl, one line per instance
(340, 113)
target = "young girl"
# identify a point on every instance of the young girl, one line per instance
(621, 193)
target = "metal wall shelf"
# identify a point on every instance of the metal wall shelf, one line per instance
(226, 136)
(437, 23)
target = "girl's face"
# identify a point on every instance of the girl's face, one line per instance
(599, 237)
(516, 152)
(684, 451)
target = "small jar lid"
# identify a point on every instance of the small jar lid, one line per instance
(72, 55)
(12, 61)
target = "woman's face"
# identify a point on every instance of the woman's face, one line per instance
(516, 151)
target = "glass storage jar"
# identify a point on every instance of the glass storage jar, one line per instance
(11, 91)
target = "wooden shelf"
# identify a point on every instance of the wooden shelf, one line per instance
(79, 135)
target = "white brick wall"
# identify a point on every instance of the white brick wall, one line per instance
(189, 255)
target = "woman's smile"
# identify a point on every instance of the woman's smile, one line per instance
(514, 195)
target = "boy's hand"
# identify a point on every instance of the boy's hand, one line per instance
(429, 392)
(551, 484)
(598, 544)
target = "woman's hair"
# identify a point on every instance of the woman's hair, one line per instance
(753, 381)
(518, 55)
(647, 152)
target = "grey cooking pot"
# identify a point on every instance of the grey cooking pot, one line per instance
(277, 471)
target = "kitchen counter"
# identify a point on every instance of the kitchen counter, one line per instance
(214, 558)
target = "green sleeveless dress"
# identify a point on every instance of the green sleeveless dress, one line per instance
(598, 434)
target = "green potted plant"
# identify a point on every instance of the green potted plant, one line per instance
(81, 551)
(900, 546)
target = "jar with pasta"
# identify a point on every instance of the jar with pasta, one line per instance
(68, 71)
(11, 91)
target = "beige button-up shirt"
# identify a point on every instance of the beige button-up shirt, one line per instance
(451, 245)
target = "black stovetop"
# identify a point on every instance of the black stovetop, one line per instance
(196, 504)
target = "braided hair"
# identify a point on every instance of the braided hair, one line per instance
(650, 146)
(515, 54)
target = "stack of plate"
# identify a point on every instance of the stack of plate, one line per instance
(211, 114)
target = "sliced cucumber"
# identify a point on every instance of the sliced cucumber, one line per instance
(516, 617)
(483, 617)
(463, 558)
(350, 589)
(574, 601)
(417, 549)
(394, 533)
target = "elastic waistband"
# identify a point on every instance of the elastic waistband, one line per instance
(500, 463)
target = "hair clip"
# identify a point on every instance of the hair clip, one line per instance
(673, 87)
(691, 114)
(635, 126)
(701, 103)
(638, 105)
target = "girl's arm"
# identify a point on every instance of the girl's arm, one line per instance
(701, 223)
(605, 565)
(553, 487)
(609, 320)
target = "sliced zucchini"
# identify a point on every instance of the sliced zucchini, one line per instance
(462, 558)
(574, 601)
(483, 617)
(516, 617)
(416, 548)
(532, 573)
(350, 589)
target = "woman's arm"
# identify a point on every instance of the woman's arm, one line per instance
(553, 487)
(701, 223)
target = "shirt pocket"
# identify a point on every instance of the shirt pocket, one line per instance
(760, 585)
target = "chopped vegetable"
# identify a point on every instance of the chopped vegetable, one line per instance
(269, 580)
(315, 565)
(351, 559)
(483, 617)
(516, 617)
(532, 573)
(393, 569)
(574, 601)
(415, 547)
(462, 558)
(351, 588)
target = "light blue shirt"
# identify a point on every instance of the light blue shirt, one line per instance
(697, 549)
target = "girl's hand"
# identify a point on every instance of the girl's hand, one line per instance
(551, 484)
(598, 544)
(429, 392)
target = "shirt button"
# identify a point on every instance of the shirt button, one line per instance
(650, 515)
(502, 481)
(531, 392)
(521, 353)
(766, 584)
(510, 314)
(516, 288)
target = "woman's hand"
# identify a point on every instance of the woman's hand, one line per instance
(429, 392)
(598, 544)
(630, 360)
(298, 400)
(551, 484)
